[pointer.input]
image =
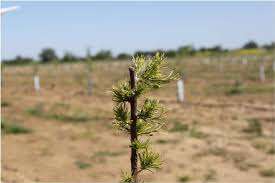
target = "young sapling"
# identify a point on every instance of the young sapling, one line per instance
(141, 120)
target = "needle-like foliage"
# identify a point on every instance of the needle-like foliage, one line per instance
(150, 73)
(153, 72)
(126, 178)
(149, 160)
(122, 93)
(122, 120)
(151, 111)
(140, 145)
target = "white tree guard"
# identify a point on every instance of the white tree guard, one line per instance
(262, 72)
(180, 87)
(36, 83)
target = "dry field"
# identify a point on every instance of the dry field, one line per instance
(222, 133)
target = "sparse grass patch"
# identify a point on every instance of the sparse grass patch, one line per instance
(242, 166)
(217, 151)
(234, 117)
(262, 144)
(271, 150)
(184, 178)
(254, 127)
(267, 172)
(82, 165)
(104, 154)
(58, 114)
(258, 89)
(241, 162)
(75, 117)
(37, 110)
(246, 165)
(195, 133)
(184, 128)
(179, 127)
(5, 104)
(101, 156)
(236, 89)
(166, 141)
(210, 175)
(62, 105)
(12, 128)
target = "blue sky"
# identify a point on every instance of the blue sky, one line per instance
(131, 26)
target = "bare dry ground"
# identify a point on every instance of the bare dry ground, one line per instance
(222, 133)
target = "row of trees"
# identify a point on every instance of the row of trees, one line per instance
(49, 54)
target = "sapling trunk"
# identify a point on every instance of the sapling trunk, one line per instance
(133, 128)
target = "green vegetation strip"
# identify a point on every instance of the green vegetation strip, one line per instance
(70, 117)
(13, 128)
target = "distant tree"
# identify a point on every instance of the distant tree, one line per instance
(186, 50)
(18, 60)
(138, 53)
(47, 55)
(270, 46)
(216, 49)
(171, 53)
(213, 50)
(123, 56)
(250, 45)
(103, 55)
(144, 53)
(68, 57)
(202, 49)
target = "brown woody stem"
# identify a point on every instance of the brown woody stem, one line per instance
(133, 104)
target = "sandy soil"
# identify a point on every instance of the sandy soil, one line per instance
(67, 150)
